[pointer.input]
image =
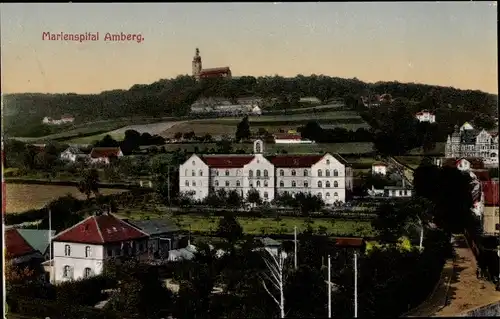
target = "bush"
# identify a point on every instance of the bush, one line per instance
(84, 292)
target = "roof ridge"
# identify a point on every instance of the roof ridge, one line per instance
(70, 228)
(129, 224)
(98, 228)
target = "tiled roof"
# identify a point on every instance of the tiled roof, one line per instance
(37, 238)
(295, 160)
(475, 163)
(100, 152)
(225, 69)
(16, 245)
(227, 161)
(491, 195)
(348, 242)
(100, 229)
(155, 226)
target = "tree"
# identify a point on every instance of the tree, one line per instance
(243, 129)
(229, 228)
(390, 222)
(234, 199)
(308, 203)
(90, 183)
(253, 197)
(276, 276)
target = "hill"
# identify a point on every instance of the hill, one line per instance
(173, 97)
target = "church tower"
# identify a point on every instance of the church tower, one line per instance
(197, 64)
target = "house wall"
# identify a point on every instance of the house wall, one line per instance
(490, 219)
(77, 261)
(379, 169)
(292, 141)
(262, 165)
(194, 170)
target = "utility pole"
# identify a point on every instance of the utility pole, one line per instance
(168, 181)
(295, 246)
(51, 258)
(329, 285)
(355, 284)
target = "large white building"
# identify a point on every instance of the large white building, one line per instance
(328, 176)
(80, 251)
(469, 142)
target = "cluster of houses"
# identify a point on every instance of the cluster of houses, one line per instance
(65, 119)
(221, 106)
(97, 155)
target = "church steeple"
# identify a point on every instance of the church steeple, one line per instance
(197, 64)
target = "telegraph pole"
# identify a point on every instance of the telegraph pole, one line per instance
(329, 285)
(355, 284)
(295, 246)
(168, 181)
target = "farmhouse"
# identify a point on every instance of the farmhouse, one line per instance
(72, 154)
(103, 155)
(287, 138)
(19, 251)
(80, 251)
(328, 176)
(379, 168)
(426, 116)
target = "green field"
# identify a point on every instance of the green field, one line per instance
(411, 161)
(341, 148)
(259, 226)
(438, 150)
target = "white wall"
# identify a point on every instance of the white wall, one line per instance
(292, 141)
(194, 165)
(330, 163)
(379, 169)
(77, 260)
(259, 163)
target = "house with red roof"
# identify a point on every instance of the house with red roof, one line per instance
(326, 175)
(81, 250)
(103, 155)
(17, 249)
(491, 215)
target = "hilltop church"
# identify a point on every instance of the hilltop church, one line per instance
(200, 73)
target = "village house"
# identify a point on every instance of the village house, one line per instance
(81, 250)
(73, 154)
(288, 138)
(164, 236)
(491, 216)
(328, 176)
(38, 239)
(397, 191)
(426, 116)
(379, 168)
(65, 119)
(19, 252)
(103, 155)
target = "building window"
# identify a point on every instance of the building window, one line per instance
(87, 272)
(193, 173)
(335, 184)
(67, 250)
(251, 184)
(193, 163)
(258, 173)
(327, 184)
(320, 195)
(327, 162)
(187, 183)
(87, 251)
(400, 193)
(294, 184)
(327, 172)
(266, 195)
(335, 172)
(257, 184)
(327, 194)
(67, 273)
(186, 173)
(266, 173)
(282, 184)
(216, 183)
(216, 172)
(266, 184)
(194, 183)
(335, 194)
(250, 173)
(320, 184)
(282, 172)
(305, 172)
(201, 172)
(227, 172)
(293, 172)
(306, 184)
(227, 183)
(320, 173)
(238, 184)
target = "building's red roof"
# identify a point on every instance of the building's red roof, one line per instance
(491, 195)
(379, 164)
(475, 163)
(482, 174)
(286, 136)
(227, 161)
(348, 242)
(67, 116)
(215, 71)
(294, 160)
(16, 245)
(100, 229)
(100, 152)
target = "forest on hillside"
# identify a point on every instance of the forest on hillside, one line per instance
(173, 97)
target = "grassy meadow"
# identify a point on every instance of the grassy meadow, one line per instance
(23, 197)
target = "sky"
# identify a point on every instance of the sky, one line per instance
(437, 43)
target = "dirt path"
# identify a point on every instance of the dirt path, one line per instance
(466, 292)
